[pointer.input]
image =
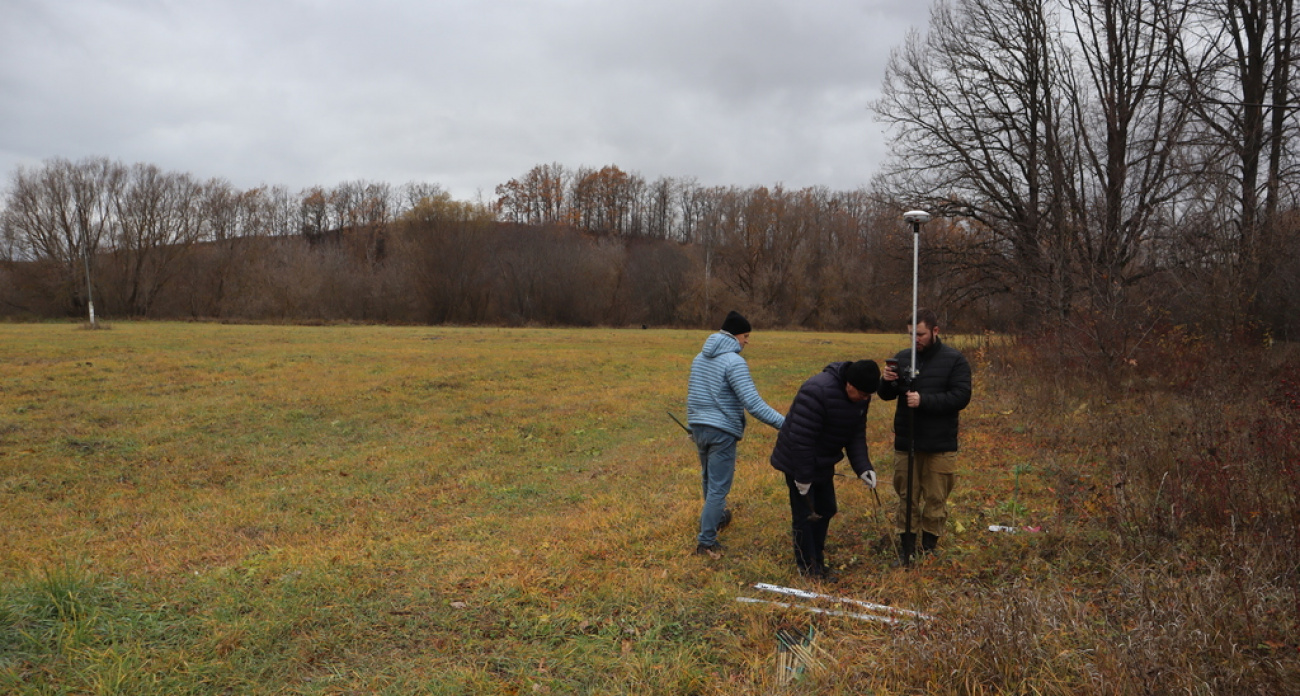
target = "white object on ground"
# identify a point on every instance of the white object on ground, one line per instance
(819, 610)
(806, 594)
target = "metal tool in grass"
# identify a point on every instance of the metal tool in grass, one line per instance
(678, 422)
(812, 511)
(880, 521)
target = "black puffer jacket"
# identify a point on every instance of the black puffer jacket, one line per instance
(944, 383)
(820, 427)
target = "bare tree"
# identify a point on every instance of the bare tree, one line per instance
(158, 219)
(659, 208)
(60, 215)
(282, 212)
(981, 132)
(1056, 130)
(231, 219)
(1239, 66)
(363, 211)
(1130, 122)
(411, 193)
(1130, 119)
(9, 250)
(688, 197)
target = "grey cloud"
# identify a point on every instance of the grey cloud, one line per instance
(463, 93)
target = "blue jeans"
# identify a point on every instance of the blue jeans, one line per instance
(717, 450)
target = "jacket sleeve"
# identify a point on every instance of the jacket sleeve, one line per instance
(743, 385)
(857, 452)
(957, 393)
(808, 414)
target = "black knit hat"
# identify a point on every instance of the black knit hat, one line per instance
(735, 324)
(864, 375)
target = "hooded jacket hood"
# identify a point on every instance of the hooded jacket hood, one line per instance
(719, 343)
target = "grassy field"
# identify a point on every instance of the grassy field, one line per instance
(206, 508)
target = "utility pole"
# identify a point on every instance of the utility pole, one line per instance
(90, 297)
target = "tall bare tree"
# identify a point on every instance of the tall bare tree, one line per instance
(61, 214)
(158, 220)
(981, 132)
(1130, 117)
(659, 208)
(1056, 129)
(1240, 58)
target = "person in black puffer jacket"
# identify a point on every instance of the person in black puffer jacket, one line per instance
(827, 419)
(938, 393)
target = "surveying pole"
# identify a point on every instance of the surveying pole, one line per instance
(915, 218)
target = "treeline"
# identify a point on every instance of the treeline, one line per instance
(142, 242)
(606, 249)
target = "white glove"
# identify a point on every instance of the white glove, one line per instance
(869, 477)
(802, 487)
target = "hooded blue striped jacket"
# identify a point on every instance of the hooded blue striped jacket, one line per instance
(721, 389)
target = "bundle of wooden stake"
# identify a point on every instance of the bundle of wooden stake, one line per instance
(796, 654)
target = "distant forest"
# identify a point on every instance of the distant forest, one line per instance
(558, 247)
(1094, 167)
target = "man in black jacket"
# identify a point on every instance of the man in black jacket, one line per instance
(827, 419)
(937, 393)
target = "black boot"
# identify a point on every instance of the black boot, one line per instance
(929, 542)
(907, 548)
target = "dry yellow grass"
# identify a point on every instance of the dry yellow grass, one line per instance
(379, 506)
(204, 508)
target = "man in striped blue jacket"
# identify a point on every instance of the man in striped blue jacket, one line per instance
(720, 392)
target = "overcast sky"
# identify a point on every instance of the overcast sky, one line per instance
(463, 93)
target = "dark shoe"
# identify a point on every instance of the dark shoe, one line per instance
(819, 572)
(726, 520)
(713, 551)
(929, 542)
(906, 549)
